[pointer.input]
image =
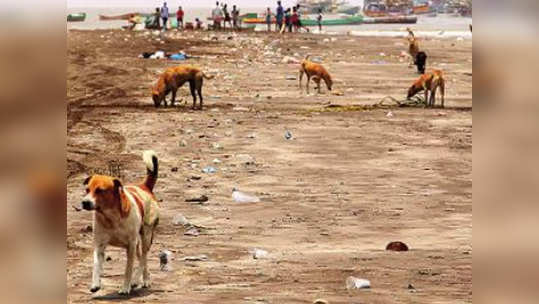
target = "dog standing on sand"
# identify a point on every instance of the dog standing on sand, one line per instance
(315, 71)
(125, 217)
(429, 82)
(173, 79)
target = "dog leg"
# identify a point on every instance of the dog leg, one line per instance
(308, 81)
(442, 92)
(427, 102)
(317, 81)
(147, 238)
(174, 92)
(193, 93)
(99, 256)
(433, 97)
(199, 90)
(300, 79)
(131, 252)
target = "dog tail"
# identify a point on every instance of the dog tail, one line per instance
(152, 168)
(208, 77)
(307, 57)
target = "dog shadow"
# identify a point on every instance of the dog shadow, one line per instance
(116, 297)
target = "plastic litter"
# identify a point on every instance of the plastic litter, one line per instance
(259, 254)
(356, 283)
(164, 258)
(179, 220)
(195, 258)
(209, 170)
(178, 56)
(288, 135)
(241, 197)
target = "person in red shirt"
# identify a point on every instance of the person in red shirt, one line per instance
(295, 19)
(179, 17)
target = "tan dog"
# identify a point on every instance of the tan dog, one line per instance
(315, 71)
(429, 82)
(173, 79)
(413, 46)
(124, 217)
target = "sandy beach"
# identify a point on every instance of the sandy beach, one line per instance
(355, 176)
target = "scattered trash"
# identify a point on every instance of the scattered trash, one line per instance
(410, 286)
(356, 283)
(320, 301)
(217, 146)
(209, 170)
(291, 77)
(389, 114)
(174, 169)
(195, 258)
(242, 109)
(337, 93)
(397, 246)
(252, 135)
(87, 229)
(179, 56)
(245, 159)
(241, 197)
(288, 135)
(259, 254)
(216, 161)
(179, 220)
(200, 199)
(288, 59)
(192, 232)
(164, 258)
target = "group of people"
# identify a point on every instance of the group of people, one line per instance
(221, 16)
(288, 19)
(163, 14)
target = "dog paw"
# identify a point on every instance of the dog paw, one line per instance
(124, 291)
(147, 284)
(95, 289)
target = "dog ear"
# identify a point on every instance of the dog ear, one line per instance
(87, 180)
(117, 183)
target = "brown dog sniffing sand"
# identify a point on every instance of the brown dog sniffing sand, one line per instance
(174, 78)
(315, 71)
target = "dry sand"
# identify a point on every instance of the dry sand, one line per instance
(350, 181)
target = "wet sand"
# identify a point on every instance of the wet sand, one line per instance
(351, 180)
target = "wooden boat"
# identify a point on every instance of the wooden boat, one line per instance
(77, 17)
(391, 19)
(348, 20)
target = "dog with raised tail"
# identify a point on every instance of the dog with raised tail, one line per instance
(125, 217)
(174, 78)
(429, 82)
(315, 71)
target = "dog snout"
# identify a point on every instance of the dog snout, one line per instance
(87, 205)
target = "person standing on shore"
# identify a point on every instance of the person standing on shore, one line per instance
(179, 17)
(319, 20)
(295, 19)
(164, 15)
(288, 20)
(268, 19)
(235, 17)
(217, 16)
(227, 17)
(279, 16)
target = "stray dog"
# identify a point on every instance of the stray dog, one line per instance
(413, 46)
(429, 82)
(421, 62)
(315, 71)
(124, 217)
(173, 78)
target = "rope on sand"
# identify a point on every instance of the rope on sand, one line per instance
(415, 101)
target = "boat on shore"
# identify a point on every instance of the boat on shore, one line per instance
(76, 17)
(341, 20)
(391, 19)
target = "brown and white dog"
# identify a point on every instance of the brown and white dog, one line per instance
(315, 71)
(173, 79)
(429, 82)
(413, 46)
(126, 217)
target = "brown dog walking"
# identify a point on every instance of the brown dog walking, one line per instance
(173, 79)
